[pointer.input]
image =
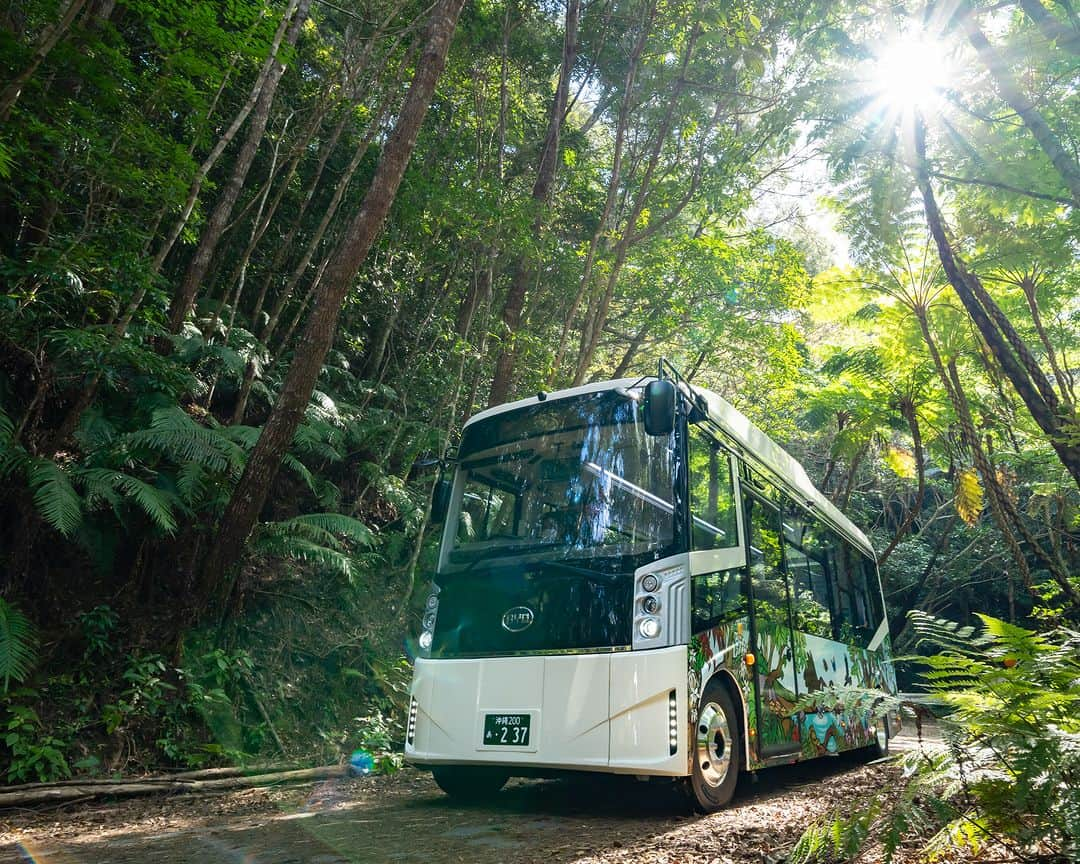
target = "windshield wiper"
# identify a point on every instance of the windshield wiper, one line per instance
(590, 575)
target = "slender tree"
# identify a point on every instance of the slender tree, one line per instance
(265, 459)
(1004, 343)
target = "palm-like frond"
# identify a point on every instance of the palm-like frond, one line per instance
(191, 482)
(54, 496)
(174, 434)
(155, 503)
(318, 439)
(334, 524)
(321, 538)
(300, 549)
(18, 644)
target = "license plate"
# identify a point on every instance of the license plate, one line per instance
(506, 730)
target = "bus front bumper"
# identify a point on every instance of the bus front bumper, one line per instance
(622, 712)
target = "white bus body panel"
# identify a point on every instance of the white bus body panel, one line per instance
(593, 712)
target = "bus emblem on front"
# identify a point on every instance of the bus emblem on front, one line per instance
(517, 619)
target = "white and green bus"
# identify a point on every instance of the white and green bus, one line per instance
(635, 579)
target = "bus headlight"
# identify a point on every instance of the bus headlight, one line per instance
(650, 582)
(650, 604)
(431, 613)
(649, 628)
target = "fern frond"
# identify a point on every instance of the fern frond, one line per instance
(305, 550)
(969, 496)
(336, 523)
(154, 502)
(174, 434)
(97, 485)
(151, 500)
(191, 482)
(54, 496)
(300, 470)
(319, 440)
(18, 644)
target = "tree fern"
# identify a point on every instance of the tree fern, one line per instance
(154, 502)
(176, 435)
(334, 524)
(54, 496)
(325, 539)
(13, 458)
(319, 439)
(18, 644)
(1009, 772)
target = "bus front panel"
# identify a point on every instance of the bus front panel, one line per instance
(607, 711)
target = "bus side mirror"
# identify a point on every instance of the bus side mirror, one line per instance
(440, 500)
(659, 407)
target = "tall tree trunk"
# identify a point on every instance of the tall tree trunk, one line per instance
(910, 412)
(596, 319)
(648, 15)
(274, 318)
(1040, 399)
(46, 42)
(637, 340)
(89, 391)
(219, 147)
(524, 271)
(1029, 284)
(184, 299)
(971, 440)
(1010, 91)
(1056, 32)
(265, 459)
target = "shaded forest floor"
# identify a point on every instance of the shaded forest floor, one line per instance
(405, 818)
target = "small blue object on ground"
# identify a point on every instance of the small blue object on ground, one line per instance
(360, 763)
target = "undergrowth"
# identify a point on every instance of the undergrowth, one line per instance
(313, 672)
(1007, 777)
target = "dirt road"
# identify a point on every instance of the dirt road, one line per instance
(405, 818)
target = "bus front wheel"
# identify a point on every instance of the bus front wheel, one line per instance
(470, 782)
(718, 750)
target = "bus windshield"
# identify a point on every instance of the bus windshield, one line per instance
(571, 478)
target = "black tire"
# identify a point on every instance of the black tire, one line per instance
(470, 782)
(717, 748)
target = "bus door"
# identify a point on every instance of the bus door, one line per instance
(776, 683)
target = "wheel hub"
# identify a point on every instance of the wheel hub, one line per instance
(881, 733)
(713, 744)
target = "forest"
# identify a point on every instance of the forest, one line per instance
(261, 259)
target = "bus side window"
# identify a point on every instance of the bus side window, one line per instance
(717, 597)
(853, 620)
(806, 569)
(712, 496)
(870, 575)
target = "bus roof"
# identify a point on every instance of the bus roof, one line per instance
(748, 437)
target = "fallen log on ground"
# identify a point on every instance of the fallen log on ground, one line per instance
(62, 793)
(200, 774)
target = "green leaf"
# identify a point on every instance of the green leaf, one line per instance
(18, 644)
(54, 496)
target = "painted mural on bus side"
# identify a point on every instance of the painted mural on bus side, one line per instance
(812, 690)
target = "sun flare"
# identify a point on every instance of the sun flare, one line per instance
(912, 71)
